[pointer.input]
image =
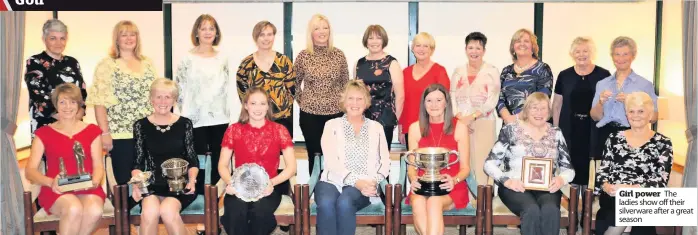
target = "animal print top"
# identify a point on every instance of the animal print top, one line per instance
(322, 76)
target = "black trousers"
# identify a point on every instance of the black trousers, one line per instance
(539, 211)
(123, 157)
(606, 217)
(312, 127)
(603, 133)
(208, 139)
(250, 218)
(389, 135)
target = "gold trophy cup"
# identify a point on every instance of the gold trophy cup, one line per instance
(81, 180)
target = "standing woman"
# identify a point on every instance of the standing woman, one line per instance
(382, 74)
(323, 71)
(417, 78)
(525, 76)
(48, 69)
(120, 94)
(475, 91)
(207, 97)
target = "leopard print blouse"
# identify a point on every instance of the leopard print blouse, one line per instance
(323, 75)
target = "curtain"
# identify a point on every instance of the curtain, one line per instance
(11, 53)
(690, 72)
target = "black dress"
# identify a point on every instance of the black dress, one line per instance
(376, 75)
(575, 122)
(154, 146)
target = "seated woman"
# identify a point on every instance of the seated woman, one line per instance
(437, 127)
(531, 136)
(634, 158)
(255, 139)
(159, 137)
(356, 158)
(79, 211)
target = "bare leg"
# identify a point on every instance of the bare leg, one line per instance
(169, 212)
(618, 230)
(92, 208)
(435, 208)
(419, 213)
(69, 209)
(150, 215)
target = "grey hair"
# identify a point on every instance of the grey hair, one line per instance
(54, 25)
(624, 41)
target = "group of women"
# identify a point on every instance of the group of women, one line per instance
(349, 121)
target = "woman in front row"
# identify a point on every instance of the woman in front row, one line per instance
(357, 159)
(634, 158)
(255, 138)
(159, 137)
(531, 136)
(78, 211)
(437, 127)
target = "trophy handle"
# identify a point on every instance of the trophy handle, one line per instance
(407, 159)
(457, 157)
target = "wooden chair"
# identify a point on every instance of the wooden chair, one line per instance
(378, 214)
(471, 215)
(198, 212)
(287, 214)
(39, 221)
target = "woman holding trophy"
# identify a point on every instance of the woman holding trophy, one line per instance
(438, 128)
(256, 140)
(80, 209)
(164, 138)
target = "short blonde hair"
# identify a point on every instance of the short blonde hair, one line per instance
(518, 35)
(198, 23)
(68, 90)
(624, 41)
(578, 41)
(424, 38)
(354, 85)
(534, 98)
(377, 30)
(316, 19)
(639, 99)
(166, 85)
(125, 26)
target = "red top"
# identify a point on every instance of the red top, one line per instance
(258, 145)
(415, 88)
(471, 78)
(58, 145)
(437, 138)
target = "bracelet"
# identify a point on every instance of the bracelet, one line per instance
(105, 133)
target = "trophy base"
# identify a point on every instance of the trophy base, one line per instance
(431, 189)
(68, 186)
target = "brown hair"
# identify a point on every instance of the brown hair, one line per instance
(424, 115)
(125, 26)
(198, 23)
(518, 35)
(378, 30)
(259, 27)
(355, 85)
(244, 113)
(70, 91)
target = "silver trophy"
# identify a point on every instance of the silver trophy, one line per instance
(431, 160)
(142, 181)
(250, 180)
(79, 181)
(175, 170)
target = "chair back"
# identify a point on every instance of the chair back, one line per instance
(593, 166)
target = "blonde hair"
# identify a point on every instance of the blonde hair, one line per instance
(245, 114)
(259, 27)
(125, 26)
(315, 20)
(518, 35)
(70, 91)
(639, 99)
(198, 23)
(578, 41)
(355, 85)
(534, 98)
(624, 41)
(165, 84)
(424, 38)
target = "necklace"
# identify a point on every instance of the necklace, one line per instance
(438, 144)
(163, 130)
(518, 69)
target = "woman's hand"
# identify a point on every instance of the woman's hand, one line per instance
(268, 190)
(414, 184)
(509, 119)
(604, 96)
(610, 189)
(229, 189)
(369, 191)
(54, 186)
(620, 97)
(448, 182)
(136, 194)
(400, 136)
(556, 184)
(107, 142)
(191, 187)
(363, 184)
(515, 185)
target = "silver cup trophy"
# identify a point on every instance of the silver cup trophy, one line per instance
(250, 180)
(431, 160)
(79, 181)
(142, 181)
(175, 170)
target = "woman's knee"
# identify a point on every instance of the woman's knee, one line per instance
(169, 210)
(550, 210)
(150, 210)
(92, 210)
(531, 211)
(72, 209)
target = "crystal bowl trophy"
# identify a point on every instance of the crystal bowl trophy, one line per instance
(175, 170)
(431, 160)
(142, 181)
(81, 180)
(250, 180)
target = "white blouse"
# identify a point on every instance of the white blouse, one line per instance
(208, 93)
(481, 95)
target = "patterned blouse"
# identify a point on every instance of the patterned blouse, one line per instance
(323, 75)
(356, 149)
(649, 165)
(516, 88)
(279, 83)
(205, 83)
(43, 75)
(506, 158)
(124, 93)
(376, 75)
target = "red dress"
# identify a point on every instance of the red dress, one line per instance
(58, 145)
(258, 145)
(415, 88)
(437, 138)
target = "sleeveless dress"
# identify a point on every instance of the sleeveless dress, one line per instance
(437, 138)
(58, 145)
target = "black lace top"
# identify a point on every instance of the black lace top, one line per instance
(155, 145)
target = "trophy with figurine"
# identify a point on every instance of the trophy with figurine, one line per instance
(79, 181)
